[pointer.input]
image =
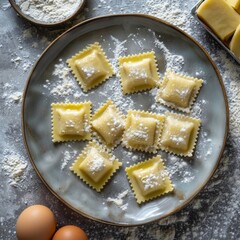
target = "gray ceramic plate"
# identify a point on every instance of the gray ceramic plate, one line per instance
(123, 35)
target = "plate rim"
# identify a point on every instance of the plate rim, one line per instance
(198, 190)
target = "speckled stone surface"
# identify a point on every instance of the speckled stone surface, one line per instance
(213, 214)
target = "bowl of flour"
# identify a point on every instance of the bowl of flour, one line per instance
(47, 12)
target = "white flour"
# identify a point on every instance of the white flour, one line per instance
(170, 12)
(118, 201)
(64, 85)
(67, 156)
(49, 11)
(10, 96)
(13, 167)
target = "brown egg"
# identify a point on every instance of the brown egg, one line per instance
(36, 222)
(70, 233)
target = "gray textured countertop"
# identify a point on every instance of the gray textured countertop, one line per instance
(213, 214)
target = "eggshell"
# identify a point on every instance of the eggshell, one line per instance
(36, 222)
(70, 232)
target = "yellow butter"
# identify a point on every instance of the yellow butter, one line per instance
(235, 4)
(235, 42)
(220, 17)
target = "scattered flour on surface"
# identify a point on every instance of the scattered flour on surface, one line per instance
(68, 155)
(175, 62)
(61, 70)
(230, 75)
(16, 61)
(118, 201)
(13, 167)
(10, 96)
(170, 12)
(5, 6)
(65, 84)
(24, 63)
(180, 169)
(119, 51)
(15, 97)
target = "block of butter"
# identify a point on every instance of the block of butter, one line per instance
(235, 42)
(235, 4)
(220, 17)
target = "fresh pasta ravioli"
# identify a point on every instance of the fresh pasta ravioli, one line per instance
(142, 131)
(71, 121)
(95, 165)
(90, 67)
(138, 72)
(149, 179)
(178, 91)
(108, 122)
(179, 134)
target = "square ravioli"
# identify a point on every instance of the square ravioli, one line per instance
(138, 72)
(71, 121)
(108, 123)
(180, 134)
(90, 67)
(95, 165)
(142, 131)
(149, 179)
(178, 91)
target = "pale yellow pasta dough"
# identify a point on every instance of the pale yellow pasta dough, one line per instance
(70, 122)
(108, 122)
(220, 17)
(178, 134)
(90, 68)
(142, 131)
(178, 91)
(138, 72)
(149, 179)
(95, 165)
